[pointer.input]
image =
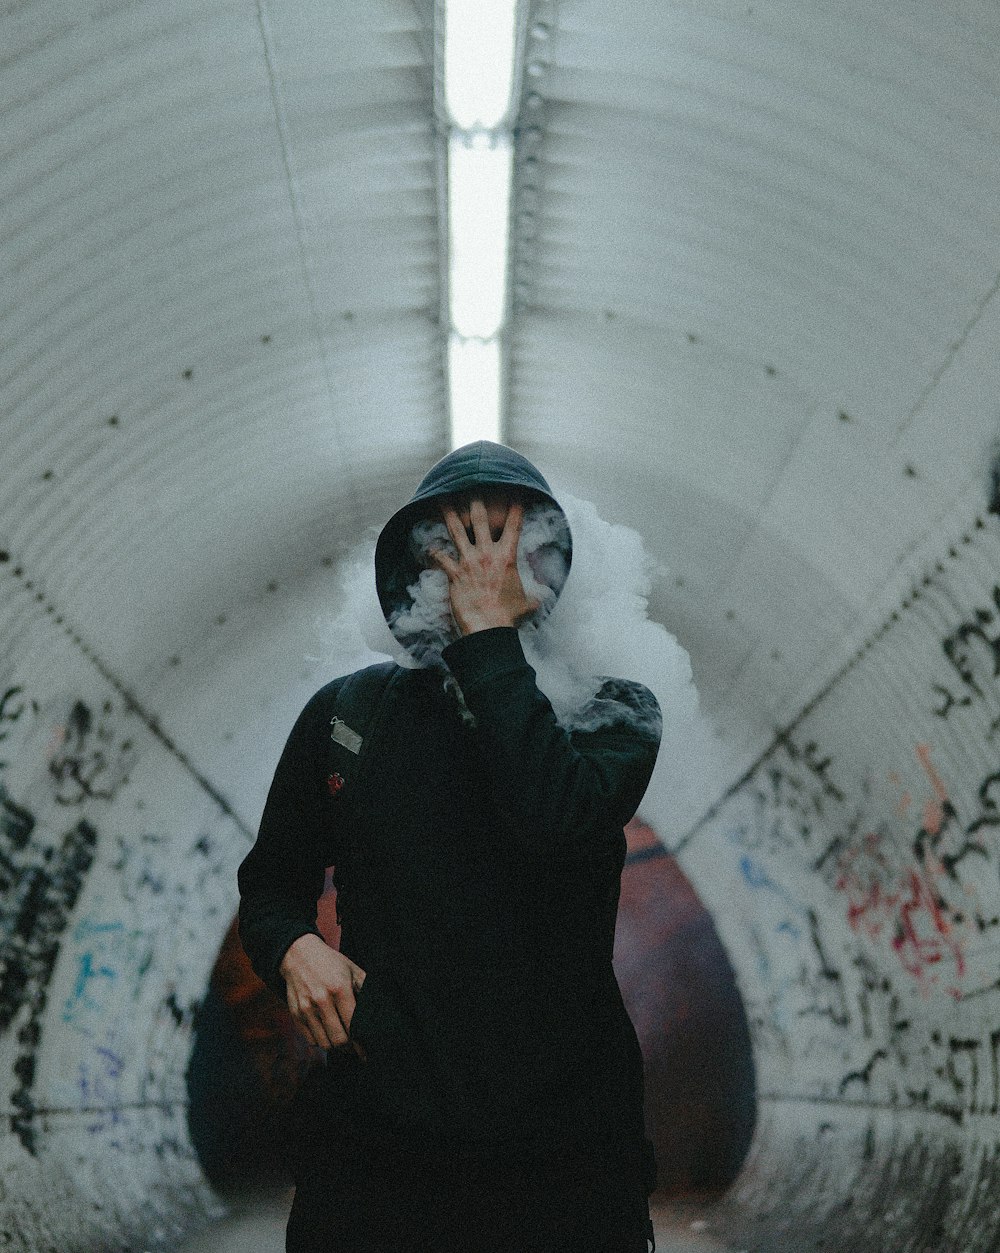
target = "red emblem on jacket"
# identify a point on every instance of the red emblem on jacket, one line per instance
(335, 783)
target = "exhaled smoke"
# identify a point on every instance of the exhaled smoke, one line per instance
(425, 625)
(592, 624)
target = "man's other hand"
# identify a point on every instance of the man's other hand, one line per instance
(320, 982)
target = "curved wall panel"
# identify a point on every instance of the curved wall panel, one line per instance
(116, 865)
(853, 875)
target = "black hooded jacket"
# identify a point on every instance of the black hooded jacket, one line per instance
(479, 868)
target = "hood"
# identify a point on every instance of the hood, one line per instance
(481, 464)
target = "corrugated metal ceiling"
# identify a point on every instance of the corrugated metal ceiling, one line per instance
(758, 250)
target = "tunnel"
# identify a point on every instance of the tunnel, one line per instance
(750, 315)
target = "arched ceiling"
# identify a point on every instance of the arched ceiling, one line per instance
(755, 305)
(753, 259)
(220, 300)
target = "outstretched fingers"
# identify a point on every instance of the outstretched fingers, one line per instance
(443, 560)
(512, 529)
(480, 519)
(455, 529)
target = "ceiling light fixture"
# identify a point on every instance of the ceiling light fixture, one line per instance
(478, 217)
(478, 62)
(479, 46)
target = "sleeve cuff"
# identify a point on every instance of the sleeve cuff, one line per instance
(483, 655)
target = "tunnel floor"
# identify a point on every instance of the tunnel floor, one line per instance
(259, 1214)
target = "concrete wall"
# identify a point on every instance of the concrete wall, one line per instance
(853, 875)
(118, 880)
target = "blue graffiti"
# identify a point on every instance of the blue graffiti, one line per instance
(90, 966)
(96, 1090)
(755, 876)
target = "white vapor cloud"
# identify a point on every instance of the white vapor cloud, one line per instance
(596, 627)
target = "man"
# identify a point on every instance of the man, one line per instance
(483, 1085)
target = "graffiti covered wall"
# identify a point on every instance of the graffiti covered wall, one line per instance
(116, 883)
(864, 852)
(852, 876)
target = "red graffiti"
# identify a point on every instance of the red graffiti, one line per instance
(924, 936)
(907, 902)
(863, 873)
(933, 806)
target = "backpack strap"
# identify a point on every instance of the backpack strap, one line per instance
(352, 715)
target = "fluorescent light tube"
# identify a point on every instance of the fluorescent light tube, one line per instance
(479, 174)
(478, 61)
(474, 386)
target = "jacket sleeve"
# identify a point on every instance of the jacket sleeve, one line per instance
(281, 878)
(567, 788)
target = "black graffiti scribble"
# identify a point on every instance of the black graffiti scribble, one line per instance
(864, 1075)
(957, 646)
(16, 826)
(949, 1109)
(966, 1089)
(840, 845)
(976, 1090)
(994, 501)
(930, 842)
(949, 700)
(870, 982)
(834, 1003)
(876, 996)
(789, 806)
(6, 713)
(86, 765)
(45, 883)
(988, 793)
(782, 791)
(974, 1085)
(9, 715)
(819, 767)
(138, 865)
(834, 849)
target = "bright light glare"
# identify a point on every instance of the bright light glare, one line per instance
(478, 208)
(478, 78)
(478, 60)
(474, 384)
